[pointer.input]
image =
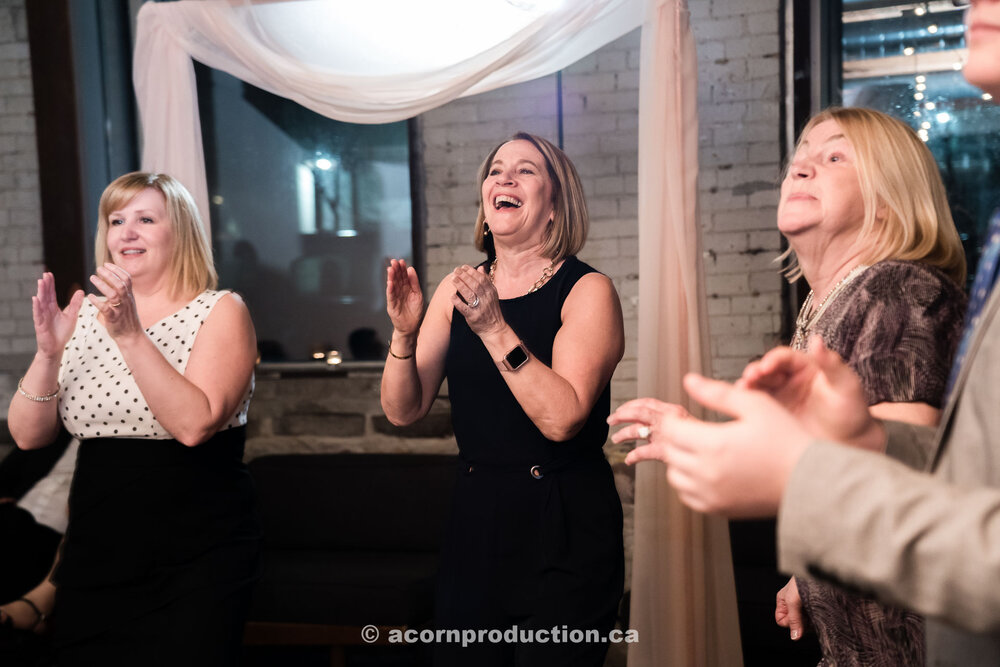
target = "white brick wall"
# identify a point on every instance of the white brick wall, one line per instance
(20, 215)
(739, 95)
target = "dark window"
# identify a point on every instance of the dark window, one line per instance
(305, 213)
(905, 58)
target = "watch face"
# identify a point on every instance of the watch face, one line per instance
(516, 357)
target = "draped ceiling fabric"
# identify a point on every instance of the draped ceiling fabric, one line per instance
(263, 42)
(683, 600)
(683, 590)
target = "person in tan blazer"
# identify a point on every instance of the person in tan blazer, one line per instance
(926, 539)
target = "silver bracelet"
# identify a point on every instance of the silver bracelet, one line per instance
(31, 397)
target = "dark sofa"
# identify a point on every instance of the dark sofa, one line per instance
(349, 540)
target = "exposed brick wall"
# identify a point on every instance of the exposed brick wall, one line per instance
(739, 98)
(20, 215)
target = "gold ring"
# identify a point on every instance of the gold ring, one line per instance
(115, 304)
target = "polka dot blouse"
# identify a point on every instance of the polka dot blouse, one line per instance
(99, 397)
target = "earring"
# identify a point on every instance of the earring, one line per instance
(486, 229)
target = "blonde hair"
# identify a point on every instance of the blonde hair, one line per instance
(906, 208)
(191, 268)
(570, 220)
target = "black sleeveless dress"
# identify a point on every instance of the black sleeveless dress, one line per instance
(535, 537)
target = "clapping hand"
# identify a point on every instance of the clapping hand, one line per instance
(53, 326)
(737, 468)
(118, 305)
(404, 300)
(823, 393)
(477, 299)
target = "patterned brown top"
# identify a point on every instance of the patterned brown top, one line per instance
(897, 325)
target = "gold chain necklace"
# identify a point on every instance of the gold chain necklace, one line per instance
(546, 274)
(808, 317)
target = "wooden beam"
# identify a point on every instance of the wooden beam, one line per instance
(57, 133)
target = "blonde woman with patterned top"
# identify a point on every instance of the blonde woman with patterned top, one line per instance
(153, 373)
(867, 222)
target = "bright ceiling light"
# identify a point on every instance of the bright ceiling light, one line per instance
(394, 36)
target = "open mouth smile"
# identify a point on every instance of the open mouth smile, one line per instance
(506, 201)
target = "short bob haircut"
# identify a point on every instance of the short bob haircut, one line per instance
(906, 209)
(570, 221)
(192, 271)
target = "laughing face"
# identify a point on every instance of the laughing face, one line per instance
(517, 194)
(140, 236)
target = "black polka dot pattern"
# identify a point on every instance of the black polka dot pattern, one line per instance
(99, 397)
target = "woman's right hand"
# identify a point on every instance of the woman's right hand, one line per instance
(788, 610)
(404, 300)
(53, 327)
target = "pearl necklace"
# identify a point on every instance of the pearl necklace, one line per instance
(546, 274)
(808, 316)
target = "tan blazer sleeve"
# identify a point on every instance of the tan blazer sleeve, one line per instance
(867, 522)
(911, 444)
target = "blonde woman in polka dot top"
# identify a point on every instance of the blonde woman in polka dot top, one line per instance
(153, 372)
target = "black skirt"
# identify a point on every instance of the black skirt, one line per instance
(160, 555)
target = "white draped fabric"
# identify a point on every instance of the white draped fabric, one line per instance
(683, 592)
(264, 43)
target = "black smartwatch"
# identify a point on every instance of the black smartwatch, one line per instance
(515, 358)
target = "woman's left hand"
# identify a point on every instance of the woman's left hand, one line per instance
(645, 418)
(121, 318)
(476, 298)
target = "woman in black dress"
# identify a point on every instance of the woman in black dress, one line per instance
(153, 375)
(528, 341)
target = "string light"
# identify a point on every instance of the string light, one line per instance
(918, 96)
(920, 78)
(908, 51)
(930, 106)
